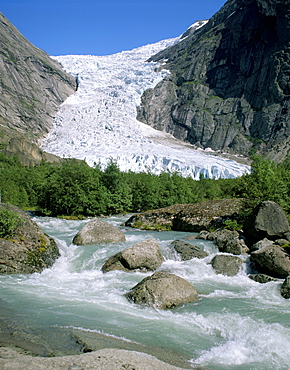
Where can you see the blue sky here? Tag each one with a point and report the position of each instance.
(101, 27)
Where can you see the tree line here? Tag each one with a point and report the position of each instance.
(72, 188)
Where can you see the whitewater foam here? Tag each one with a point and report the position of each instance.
(98, 122)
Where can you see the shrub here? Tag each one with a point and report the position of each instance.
(9, 221)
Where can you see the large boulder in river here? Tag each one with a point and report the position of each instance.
(143, 256)
(268, 220)
(228, 241)
(97, 231)
(189, 217)
(163, 290)
(28, 249)
(272, 260)
(188, 251)
(226, 264)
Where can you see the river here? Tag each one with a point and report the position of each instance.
(236, 324)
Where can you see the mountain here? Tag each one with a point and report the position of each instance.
(228, 87)
(98, 123)
(32, 87)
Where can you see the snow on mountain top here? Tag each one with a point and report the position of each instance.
(98, 122)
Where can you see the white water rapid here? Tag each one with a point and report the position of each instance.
(236, 324)
(99, 122)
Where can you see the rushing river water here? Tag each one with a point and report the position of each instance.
(236, 324)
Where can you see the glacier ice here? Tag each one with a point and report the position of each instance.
(98, 122)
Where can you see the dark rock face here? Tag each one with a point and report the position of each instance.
(226, 264)
(285, 288)
(229, 83)
(163, 291)
(188, 251)
(268, 220)
(98, 231)
(189, 217)
(143, 256)
(29, 250)
(32, 87)
(262, 278)
(272, 260)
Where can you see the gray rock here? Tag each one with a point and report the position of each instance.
(143, 256)
(285, 288)
(228, 241)
(272, 260)
(188, 251)
(268, 220)
(97, 231)
(29, 250)
(226, 264)
(262, 278)
(261, 244)
(163, 291)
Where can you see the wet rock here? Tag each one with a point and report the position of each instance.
(272, 260)
(188, 251)
(268, 220)
(143, 256)
(262, 278)
(226, 264)
(29, 249)
(285, 288)
(98, 231)
(228, 241)
(163, 291)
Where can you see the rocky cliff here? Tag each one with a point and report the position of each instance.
(32, 87)
(229, 83)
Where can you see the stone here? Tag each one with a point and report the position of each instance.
(226, 264)
(285, 288)
(262, 278)
(268, 220)
(228, 241)
(143, 256)
(97, 231)
(272, 260)
(261, 244)
(188, 251)
(163, 290)
(29, 250)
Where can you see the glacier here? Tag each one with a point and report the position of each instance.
(98, 122)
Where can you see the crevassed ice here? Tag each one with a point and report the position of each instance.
(98, 122)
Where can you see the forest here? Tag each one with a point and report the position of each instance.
(72, 188)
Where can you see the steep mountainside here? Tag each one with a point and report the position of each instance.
(229, 84)
(32, 87)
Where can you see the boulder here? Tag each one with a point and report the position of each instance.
(262, 278)
(29, 249)
(188, 217)
(228, 241)
(97, 231)
(272, 260)
(188, 251)
(143, 256)
(226, 264)
(261, 244)
(163, 290)
(285, 288)
(268, 220)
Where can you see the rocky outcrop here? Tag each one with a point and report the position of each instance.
(272, 260)
(187, 251)
(229, 82)
(143, 256)
(285, 288)
(163, 291)
(261, 278)
(226, 264)
(228, 241)
(98, 231)
(189, 217)
(32, 87)
(268, 220)
(28, 250)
